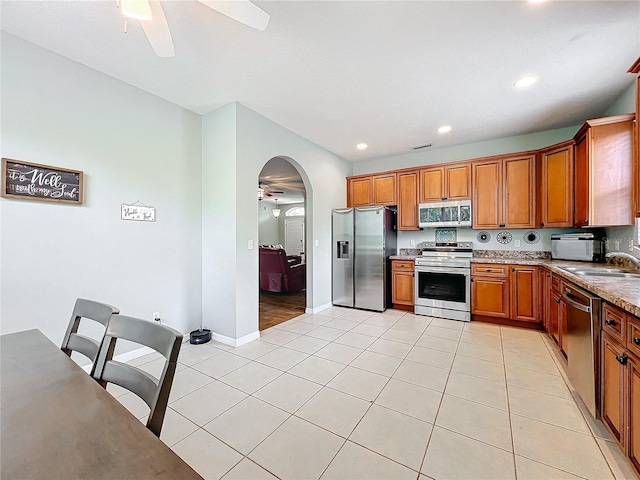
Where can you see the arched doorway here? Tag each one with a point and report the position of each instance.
(282, 269)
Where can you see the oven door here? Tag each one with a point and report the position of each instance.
(442, 287)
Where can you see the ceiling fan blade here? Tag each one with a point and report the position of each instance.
(241, 10)
(157, 31)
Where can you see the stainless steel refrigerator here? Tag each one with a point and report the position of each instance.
(363, 239)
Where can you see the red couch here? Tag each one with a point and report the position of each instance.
(278, 274)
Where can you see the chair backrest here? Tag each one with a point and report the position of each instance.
(73, 341)
(154, 391)
(273, 260)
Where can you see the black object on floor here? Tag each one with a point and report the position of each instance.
(200, 336)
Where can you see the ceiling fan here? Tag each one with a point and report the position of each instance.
(156, 28)
(263, 192)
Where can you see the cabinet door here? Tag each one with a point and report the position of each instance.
(633, 366)
(581, 217)
(408, 201)
(519, 192)
(545, 283)
(557, 187)
(402, 288)
(384, 189)
(432, 185)
(457, 182)
(487, 194)
(490, 296)
(359, 192)
(555, 313)
(524, 293)
(613, 378)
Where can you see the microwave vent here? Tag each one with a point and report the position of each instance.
(420, 147)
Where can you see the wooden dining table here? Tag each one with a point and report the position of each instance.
(57, 422)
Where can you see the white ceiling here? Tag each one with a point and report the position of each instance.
(387, 73)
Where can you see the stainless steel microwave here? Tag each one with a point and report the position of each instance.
(445, 214)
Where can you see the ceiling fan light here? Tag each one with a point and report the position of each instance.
(138, 9)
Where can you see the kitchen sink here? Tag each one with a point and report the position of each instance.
(602, 272)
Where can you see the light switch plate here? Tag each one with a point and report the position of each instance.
(317, 243)
(412, 242)
(516, 243)
(250, 244)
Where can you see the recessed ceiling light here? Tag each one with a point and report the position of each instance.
(362, 146)
(525, 81)
(537, 1)
(444, 129)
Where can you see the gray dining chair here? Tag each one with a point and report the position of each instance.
(154, 391)
(75, 342)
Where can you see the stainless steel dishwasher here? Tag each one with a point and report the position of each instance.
(583, 337)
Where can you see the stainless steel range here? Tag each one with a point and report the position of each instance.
(443, 280)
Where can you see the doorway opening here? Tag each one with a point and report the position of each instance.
(282, 241)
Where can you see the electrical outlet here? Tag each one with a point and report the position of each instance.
(516, 243)
(616, 245)
(317, 243)
(631, 244)
(156, 317)
(250, 245)
(412, 242)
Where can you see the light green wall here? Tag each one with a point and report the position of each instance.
(625, 103)
(499, 146)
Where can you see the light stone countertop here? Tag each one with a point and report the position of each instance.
(623, 292)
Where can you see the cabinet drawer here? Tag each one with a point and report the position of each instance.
(402, 265)
(633, 335)
(556, 283)
(489, 270)
(613, 322)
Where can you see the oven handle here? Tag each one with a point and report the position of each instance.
(452, 270)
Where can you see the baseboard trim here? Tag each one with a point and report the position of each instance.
(235, 342)
(318, 309)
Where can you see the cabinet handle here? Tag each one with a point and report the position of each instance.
(636, 340)
(611, 323)
(445, 198)
(558, 301)
(501, 225)
(586, 220)
(542, 224)
(548, 275)
(622, 358)
(488, 270)
(513, 269)
(472, 279)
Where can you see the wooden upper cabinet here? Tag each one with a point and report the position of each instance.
(372, 190)
(457, 182)
(524, 293)
(384, 189)
(431, 184)
(519, 192)
(359, 191)
(504, 193)
(556, 186)
(408, 200)
(445, 182)
(604, 189)
(487, 194)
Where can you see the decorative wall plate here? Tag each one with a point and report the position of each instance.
(484, 237)
(531, 237)
(504, 237)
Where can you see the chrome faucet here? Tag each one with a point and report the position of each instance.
(633, 259)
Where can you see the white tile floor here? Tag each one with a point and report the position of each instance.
(349, 394)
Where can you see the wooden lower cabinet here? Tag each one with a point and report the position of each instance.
(505, 291)
(524, 293)
(402, 282)
(490, 296)
(634, 412)
(612, 377)
(620, 386)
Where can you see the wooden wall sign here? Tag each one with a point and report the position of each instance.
(32, 181)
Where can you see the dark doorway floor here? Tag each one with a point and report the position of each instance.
(276, 308)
